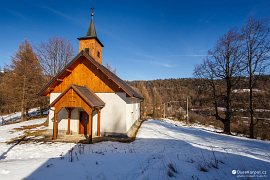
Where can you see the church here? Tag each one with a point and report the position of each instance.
(87, 98)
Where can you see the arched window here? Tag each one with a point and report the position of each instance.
(98, 54)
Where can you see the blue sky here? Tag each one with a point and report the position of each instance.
(143, 39)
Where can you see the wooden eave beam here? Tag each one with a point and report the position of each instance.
(68, 70)
(49, 90)
(60, 80)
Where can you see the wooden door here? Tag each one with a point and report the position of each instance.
(84, 123)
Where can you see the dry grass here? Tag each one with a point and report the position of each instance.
(28, 131)
(29, 127)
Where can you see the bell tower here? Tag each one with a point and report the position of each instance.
(90, 43)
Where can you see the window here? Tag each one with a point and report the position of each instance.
(98, 54)
(86, 50)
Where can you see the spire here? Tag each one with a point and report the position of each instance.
(90, 43)
(92, 30)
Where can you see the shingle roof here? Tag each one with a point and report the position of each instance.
(91, 30)
(122, 84)
(86, 94)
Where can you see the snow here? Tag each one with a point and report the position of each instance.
(17, 115)
(161, 149)
(245, 90)
(10, 117)
(7, 132)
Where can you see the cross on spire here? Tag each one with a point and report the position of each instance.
(92, 30)
(92, 12)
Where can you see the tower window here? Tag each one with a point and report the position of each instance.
(86, 50)
(98, 54)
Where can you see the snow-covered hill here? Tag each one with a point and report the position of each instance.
(162, 150)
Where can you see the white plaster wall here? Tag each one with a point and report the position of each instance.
(53, 96)
(94, 123)
(62, 118)
(132, 112)
(113, 114)
(74, 120)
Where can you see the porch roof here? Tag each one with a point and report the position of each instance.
(86, 94)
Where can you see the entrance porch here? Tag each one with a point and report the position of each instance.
(86, 103)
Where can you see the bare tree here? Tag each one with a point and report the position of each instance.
(54, 55)
(156, 101)
(144, 92)
(111, 68)
(223, 64)
(256, 38)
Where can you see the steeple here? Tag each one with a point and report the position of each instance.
(92, 30)
(90, 43)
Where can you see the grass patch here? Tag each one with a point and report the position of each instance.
(29, 127)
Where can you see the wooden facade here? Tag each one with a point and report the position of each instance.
(86, 74)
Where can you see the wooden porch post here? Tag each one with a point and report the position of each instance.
(69, 116)
(55, 125)
(90, 126)
(98, 123)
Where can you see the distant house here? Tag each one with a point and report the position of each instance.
(87, 98)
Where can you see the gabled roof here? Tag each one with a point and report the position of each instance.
(115, 79)
(86, 94)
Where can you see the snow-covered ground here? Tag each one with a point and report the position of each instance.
(162, 150)
(8, 132)
(14, 117)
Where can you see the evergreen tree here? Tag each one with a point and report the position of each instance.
(27, 78)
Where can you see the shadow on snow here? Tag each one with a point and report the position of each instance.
(150, 158)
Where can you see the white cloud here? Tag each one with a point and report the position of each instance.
(61, 14)
(16, 14)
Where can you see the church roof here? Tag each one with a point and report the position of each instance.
(65, 72)
(91, 30)
(86, 94)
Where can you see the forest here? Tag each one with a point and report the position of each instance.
(170, 95)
